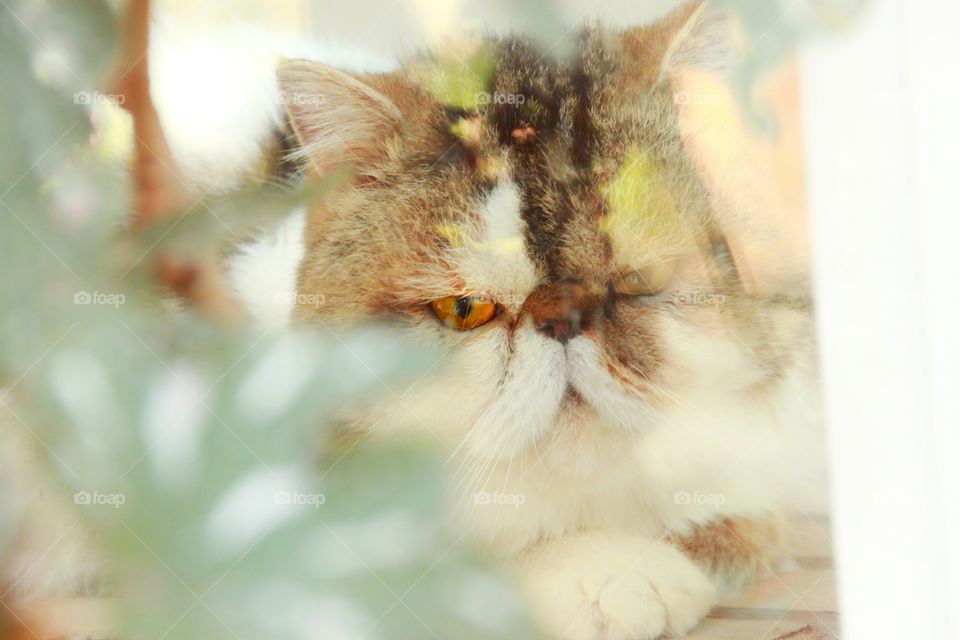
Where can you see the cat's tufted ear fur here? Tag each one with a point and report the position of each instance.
(696, 35)
(337, 118)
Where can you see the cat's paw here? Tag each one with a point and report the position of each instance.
(594, 586)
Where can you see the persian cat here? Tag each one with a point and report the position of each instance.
(627, 417)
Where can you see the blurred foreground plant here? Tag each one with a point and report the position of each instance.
(199, 454)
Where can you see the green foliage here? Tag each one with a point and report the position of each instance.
(203, 456)
(462, 83)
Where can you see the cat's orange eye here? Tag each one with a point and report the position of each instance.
(464, 312)
(647, 281)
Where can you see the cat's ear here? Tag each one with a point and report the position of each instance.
(337, 118)
(696, 36)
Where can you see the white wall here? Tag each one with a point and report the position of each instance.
(880, 107)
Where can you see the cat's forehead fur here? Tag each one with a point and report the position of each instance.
(519, 189)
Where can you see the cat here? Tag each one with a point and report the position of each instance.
(627, 418)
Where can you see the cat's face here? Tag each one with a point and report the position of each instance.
(538, 216)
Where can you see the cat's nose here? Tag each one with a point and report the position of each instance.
(561, 310)
(561, 329)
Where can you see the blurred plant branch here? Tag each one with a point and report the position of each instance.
(159, 190)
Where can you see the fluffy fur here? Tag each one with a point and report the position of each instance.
(639, 465)
(263, 272)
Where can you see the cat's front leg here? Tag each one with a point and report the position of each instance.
(595, 585)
